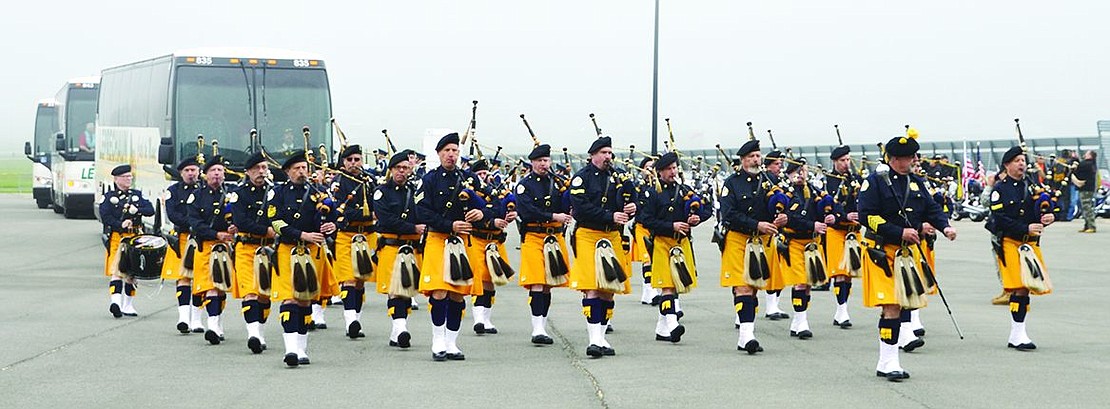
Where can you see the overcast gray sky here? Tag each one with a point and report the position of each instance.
(953, 69)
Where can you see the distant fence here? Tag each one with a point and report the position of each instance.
(15, 173)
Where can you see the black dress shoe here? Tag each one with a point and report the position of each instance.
(211, 337)
(114, 309)
(404, 339)
(255, 345)
(751, 347)
(439, 356)
(608, 328)
(542, 340)
(479, 328)
(893, 376)
(130, 314)
(303, 360)
(291, 360)
(777, 316)
(843, 325)
(491, 330)
(607, 351)
(676, 333)
(912, 345)
(920, 332)
(804, 334)
(456, 356)
(311, 326)
(198, 330)
(594, 351)
(321, 326)
(823, 287)
(680, 314)
(355, 330)
(183, 327)
(1028, 346)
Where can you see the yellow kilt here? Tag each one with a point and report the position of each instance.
(638, 251)
(329, 286)
(795, 272)
(171, 267)
(1011, 272)
(834, 252)
(733, 271)
(281, 281)
(113, 247)
(431, 268)
(383, 271)
(202, 268)
(343, 269)
(878, 289)
(661, 276)
(244, 271)
(476, 252)
(532, 259)
(583, 274)
(930, 256)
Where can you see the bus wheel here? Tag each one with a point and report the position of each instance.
(42, 202)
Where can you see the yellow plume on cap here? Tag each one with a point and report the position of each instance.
(911, 132)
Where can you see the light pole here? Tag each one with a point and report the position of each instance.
(655, 88)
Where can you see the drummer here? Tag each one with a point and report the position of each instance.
(121, 212)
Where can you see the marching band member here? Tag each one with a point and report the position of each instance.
(640, 250)
(669, 215)
(353, 266)
(843, 259)
(894, 204)
(544, 211)
(748, 257)
(1018, 218)
(486, 234)
(121, 213)
(773, 289)
(214, 234)
(447, 204)
(398, 247)
(297, 279)
(803, 267)
(248, 215)
(188, 305)
(602, 201)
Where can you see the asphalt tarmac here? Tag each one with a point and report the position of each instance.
(60, 346)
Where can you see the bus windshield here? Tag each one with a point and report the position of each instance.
(222, 103)
(45, 119)
(289, 100)
(214, 102)
(81, 118)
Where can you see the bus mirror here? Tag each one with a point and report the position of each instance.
(165, 151)
(27, 148)
(60, 142)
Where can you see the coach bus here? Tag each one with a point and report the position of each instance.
(152, 111)
(71, 164)
(39, 148)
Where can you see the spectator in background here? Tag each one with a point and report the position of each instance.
(86, 142)
(1085, 179)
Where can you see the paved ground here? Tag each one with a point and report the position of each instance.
(60, 345)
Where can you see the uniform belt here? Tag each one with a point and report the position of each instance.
(541, 229)
(600, 226)
(250, 239)
(798, 235)
(361, 227)
(743, 230)
(498, 236)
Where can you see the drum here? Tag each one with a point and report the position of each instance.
(144, 255)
